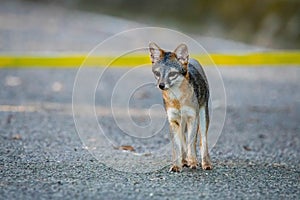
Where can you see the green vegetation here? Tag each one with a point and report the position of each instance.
(269, 23)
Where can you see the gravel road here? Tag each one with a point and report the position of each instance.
(256, 156)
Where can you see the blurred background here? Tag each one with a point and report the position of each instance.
(266, 23)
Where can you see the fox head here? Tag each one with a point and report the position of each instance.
(169, 68)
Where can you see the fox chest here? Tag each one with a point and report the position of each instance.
(180, 104)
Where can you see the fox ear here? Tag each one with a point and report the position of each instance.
(156, 52)
(182, 54)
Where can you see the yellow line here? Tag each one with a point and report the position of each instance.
(263, 58)
(133, 60)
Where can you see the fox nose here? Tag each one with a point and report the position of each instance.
(161, 86)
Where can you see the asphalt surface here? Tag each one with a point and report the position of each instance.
(44, 156)
(256, 156)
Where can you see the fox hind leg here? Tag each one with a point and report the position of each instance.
(204, 124)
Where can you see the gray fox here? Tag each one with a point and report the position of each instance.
(185, 94)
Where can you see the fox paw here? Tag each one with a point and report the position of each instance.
(192, 164)
(175, 168)
(206, 165)
(185, 163)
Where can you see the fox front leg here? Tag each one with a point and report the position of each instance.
(177, 147)
(192, 128)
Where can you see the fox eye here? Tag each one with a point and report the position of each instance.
(156, 73)
(173, 75)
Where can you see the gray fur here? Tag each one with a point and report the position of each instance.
(199, 81)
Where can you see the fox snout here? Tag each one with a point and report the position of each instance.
(161, 86)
